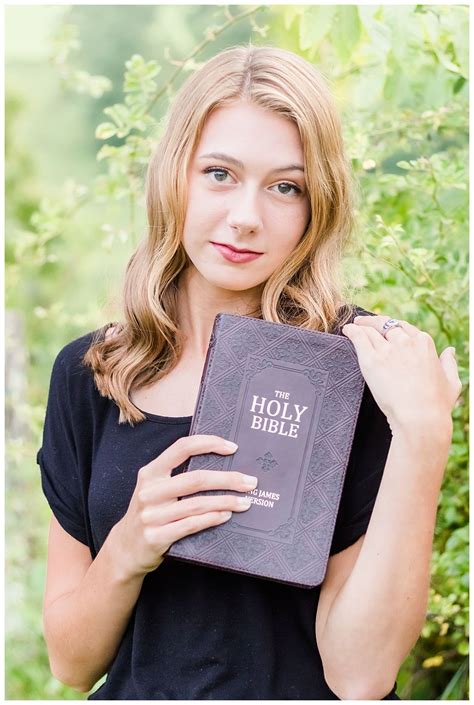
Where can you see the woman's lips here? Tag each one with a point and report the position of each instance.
(236, 257)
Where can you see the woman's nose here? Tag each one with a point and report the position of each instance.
(244, 213)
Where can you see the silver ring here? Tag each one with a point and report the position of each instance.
(391, 323)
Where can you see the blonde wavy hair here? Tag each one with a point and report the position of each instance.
(305, 291)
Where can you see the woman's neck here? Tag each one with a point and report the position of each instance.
(199, 302)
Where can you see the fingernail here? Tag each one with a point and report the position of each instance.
(226, 515)
(250, 480)
(230, 445)
(244, 502)
(453, 351)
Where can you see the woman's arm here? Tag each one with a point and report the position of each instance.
(87, 606)
(375, 618)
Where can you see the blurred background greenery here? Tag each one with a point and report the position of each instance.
(75, 210)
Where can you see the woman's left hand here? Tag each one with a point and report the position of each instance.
(414, 387)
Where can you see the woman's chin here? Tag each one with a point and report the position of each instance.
(232, 284)
(231, 280)
(228, 278)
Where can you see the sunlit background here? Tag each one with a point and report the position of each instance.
(75, 212)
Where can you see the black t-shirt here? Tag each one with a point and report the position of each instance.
(196, 633)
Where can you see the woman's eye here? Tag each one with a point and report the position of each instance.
(287, 188)
(220, 176)
(218, 173)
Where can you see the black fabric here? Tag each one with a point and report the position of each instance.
(195, 632)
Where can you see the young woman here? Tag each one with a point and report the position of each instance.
(251, 159)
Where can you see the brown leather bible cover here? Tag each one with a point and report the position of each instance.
(290, 398)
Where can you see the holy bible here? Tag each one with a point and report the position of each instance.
(290, 399)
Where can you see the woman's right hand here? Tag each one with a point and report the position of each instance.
(155, 518)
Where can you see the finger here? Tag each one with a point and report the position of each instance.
(112, 330)
(450, 369)
(180, 450)
(377, 322)
(166, 535)
(365, 339)
(204, 480)
(409, 328)
(159, 516)
(379, 341)
(165, 489)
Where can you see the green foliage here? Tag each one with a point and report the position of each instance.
(20, 195)
(28, 674)
(399, 74)
(66, 40)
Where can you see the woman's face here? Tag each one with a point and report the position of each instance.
(246, 188)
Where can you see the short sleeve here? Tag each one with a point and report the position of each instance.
(365, 468)
(58, 456)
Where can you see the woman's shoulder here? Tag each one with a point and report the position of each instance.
(69, 367)
(69, 359)
(72, 353)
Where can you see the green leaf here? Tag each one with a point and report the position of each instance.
(289, 14)
(459, 84)
(447, 63)
(378, 31)
(105, 152)
(119, 114)
(347, 31)
(151, 69)
(454, 689)
(452, 517)
(105, 130)
(396, 87)
(135, 62)
(139, 75)
(315, 24)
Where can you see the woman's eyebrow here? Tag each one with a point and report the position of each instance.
(236, 162)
